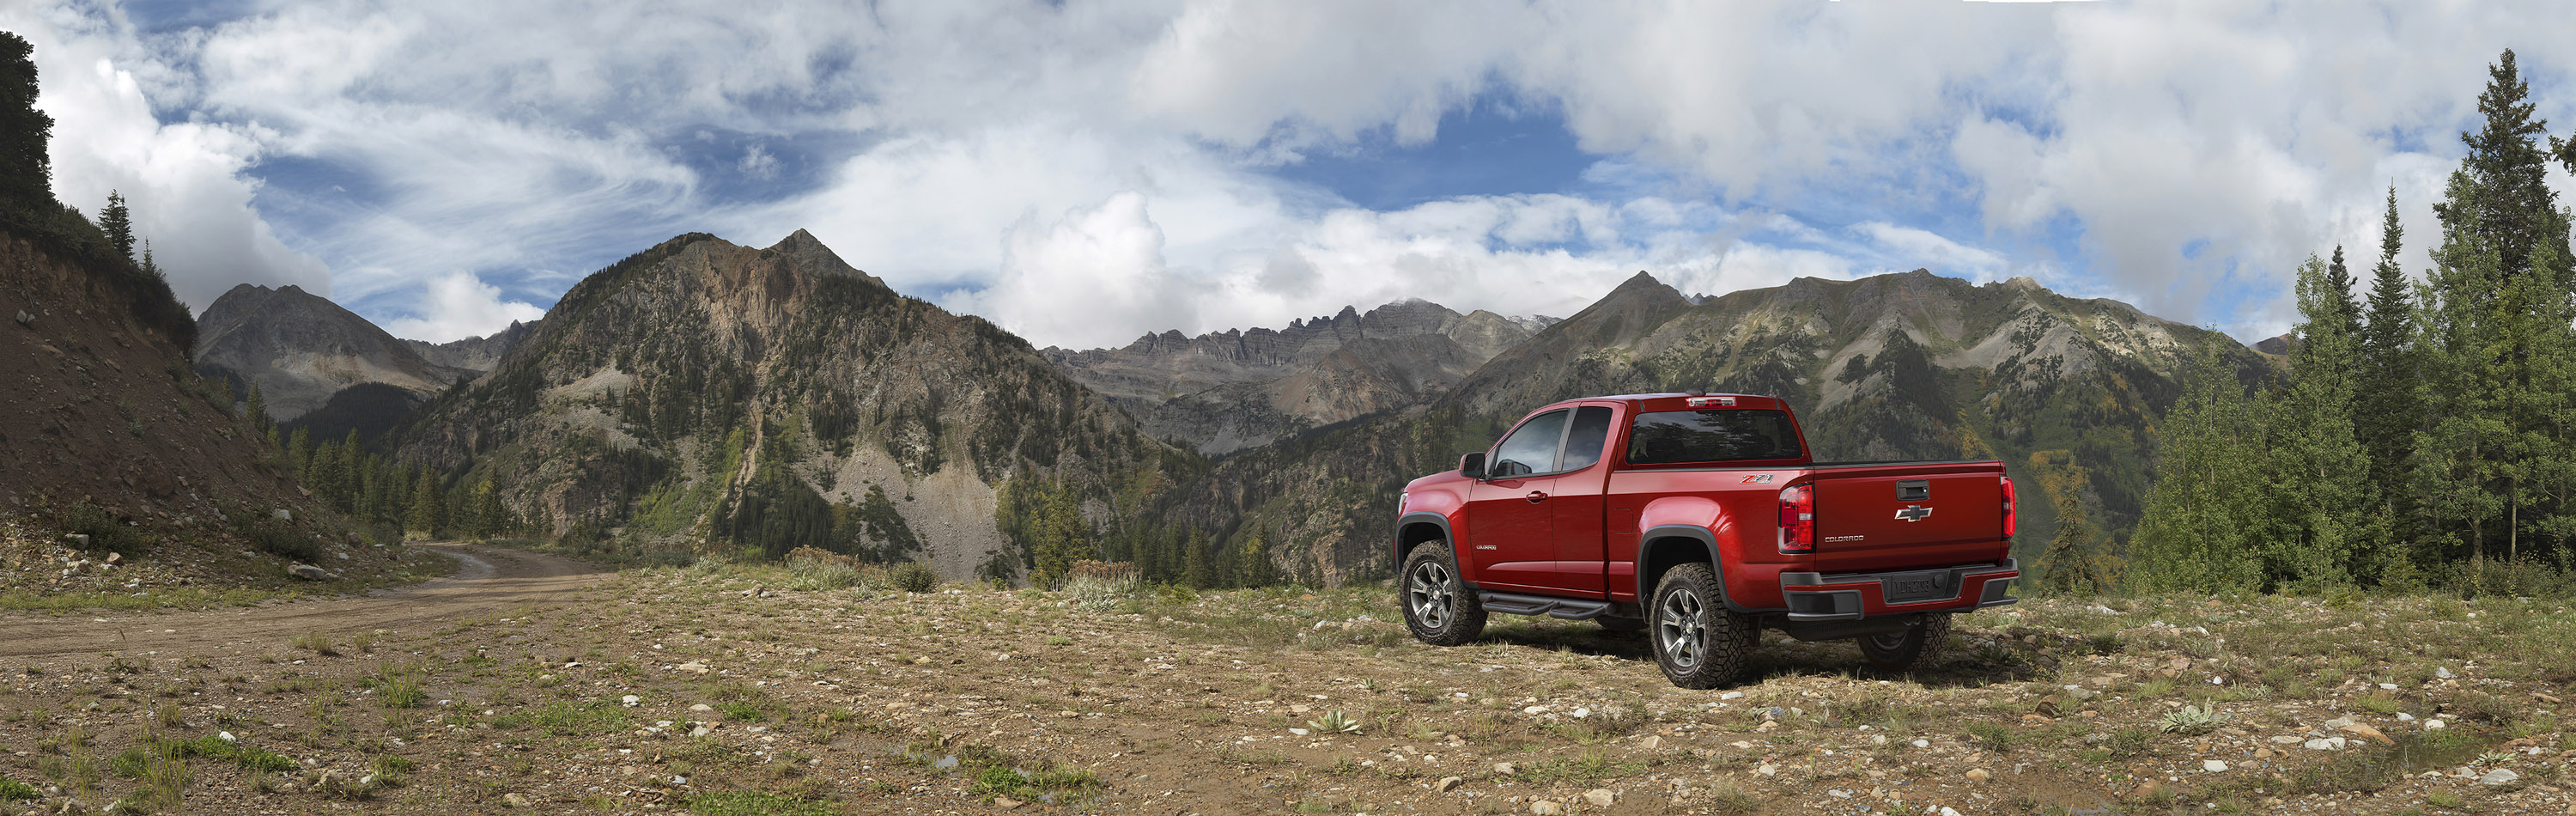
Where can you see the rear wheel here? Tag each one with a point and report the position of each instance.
(1437, 604)
(1698, 642)
(1917, 645)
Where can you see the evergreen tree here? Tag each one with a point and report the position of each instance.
(2455, 459)
(150, 268)
(2322, 501)
(1197, 570)
(257, 410)
(118, 225)
(490, 517)
(2507, 166)
(2386, 413)
(26, 171)
(2199, 529)
(428, 515)
(299, 453)
(2539, 379)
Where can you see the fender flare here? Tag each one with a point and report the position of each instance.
(1708, 554)
(1399, 546)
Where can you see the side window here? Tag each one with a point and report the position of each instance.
(1583, 443)
(1530, 449)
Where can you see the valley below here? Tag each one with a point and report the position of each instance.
(531, 683)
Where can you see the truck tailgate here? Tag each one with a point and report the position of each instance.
(1893, 518)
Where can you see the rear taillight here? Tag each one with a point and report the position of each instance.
(1797, 519)
(2008, 507)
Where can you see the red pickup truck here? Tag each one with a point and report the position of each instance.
(1701, 518)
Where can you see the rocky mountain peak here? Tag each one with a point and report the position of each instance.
(301, 348)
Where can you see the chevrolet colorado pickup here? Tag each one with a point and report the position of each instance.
(1701, 519)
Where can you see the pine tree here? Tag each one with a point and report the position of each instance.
(118, 225)
(150, 268)
(2322, 502)
(2455, 460)
(257, 410)
(299, 453)
(2387, 412)
(2510, 171)
(428, 515)
(1197, 569)
(26, 170)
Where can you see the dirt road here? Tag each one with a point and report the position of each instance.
(488, 579)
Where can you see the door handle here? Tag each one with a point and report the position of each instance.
(1537, 496)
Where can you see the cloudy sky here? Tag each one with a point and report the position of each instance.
(1084, 172)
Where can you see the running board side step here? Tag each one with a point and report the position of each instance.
(1558, 608)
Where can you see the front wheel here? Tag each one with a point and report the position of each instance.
(1698, 642)
(1898, 651)
(1437, 604)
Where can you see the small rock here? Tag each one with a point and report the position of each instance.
(631, 700)
(699, 731)
(1503, 768)
(516, 800)
(1300, 732)
(119, 558)
(1449, 783)
(691, 666)
(2369, 732)
(1535, 710)
(77, 540)
(1600, 797)
(24, 318)
(2499, 777)
(307, 572)
(1007, 803)
(1978, 775)
(2405, 717)
(2147, 789)
(2338, 722)
(701, 708)
(2213, 766)
(1922, 743)
(1544, 807)
(282, 514)
(2434, 725)
(1732, 695)
(1651, 743)
(2443, 672)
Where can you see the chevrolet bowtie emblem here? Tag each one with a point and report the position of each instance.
(1914, 512)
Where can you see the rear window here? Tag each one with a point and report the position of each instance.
(1680, 437)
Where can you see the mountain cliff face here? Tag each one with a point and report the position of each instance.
(703, 393)
(1903, 366)
(301, 349)
(1225, 392)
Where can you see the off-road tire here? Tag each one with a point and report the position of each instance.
(1624, 626)
(1918, 645)
(1438, 606)
(1698, 642)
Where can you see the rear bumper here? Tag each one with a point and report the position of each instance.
(1815, 597)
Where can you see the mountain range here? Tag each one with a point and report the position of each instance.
(1223, 392)
(703, 391)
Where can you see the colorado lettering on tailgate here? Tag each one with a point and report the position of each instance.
(1697, 521)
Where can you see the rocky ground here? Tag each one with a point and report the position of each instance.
(735, 690)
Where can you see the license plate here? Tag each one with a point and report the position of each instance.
(1914, 586)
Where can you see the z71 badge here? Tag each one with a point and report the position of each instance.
(1761, 479)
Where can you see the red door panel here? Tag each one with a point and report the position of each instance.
(1511, 537)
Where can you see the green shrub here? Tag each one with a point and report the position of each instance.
(11, 789)
(106, 532)
(913, 576)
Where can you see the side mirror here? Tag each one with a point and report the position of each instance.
(1472, 465)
